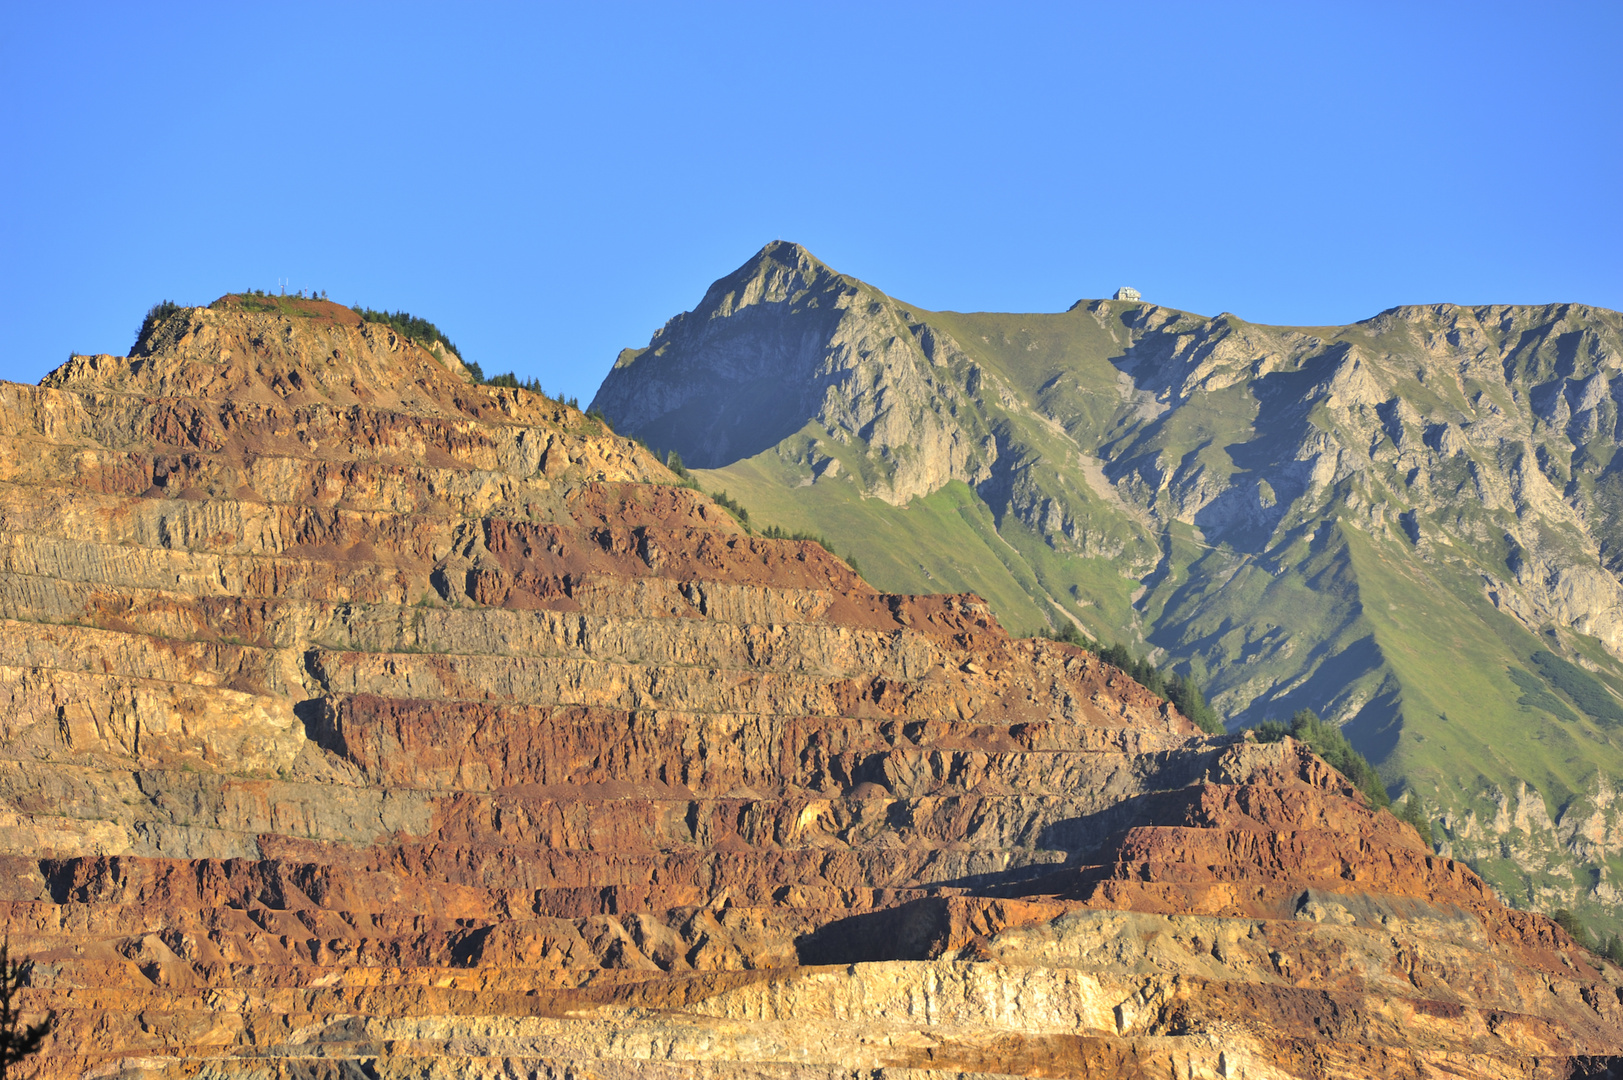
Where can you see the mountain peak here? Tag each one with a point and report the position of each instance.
(733, 353)
(790, 255)
(778, 271)
(787, 251)
(276, 349)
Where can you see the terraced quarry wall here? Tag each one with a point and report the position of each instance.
(365, 722)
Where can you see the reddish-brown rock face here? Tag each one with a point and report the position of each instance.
(364, 722)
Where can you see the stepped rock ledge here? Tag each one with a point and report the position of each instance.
(365, 722)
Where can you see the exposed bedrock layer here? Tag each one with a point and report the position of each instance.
(365, 722)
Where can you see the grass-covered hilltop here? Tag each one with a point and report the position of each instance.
(1410, 525)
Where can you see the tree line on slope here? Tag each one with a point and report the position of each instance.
(513, 382)
(673, 462)
(156, 314)
(1181, 690)
(1305, 726)
(426, 333)
(409, 326)
(1611, 948)
(1584, 689)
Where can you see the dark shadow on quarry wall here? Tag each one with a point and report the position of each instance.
(1082, 841)
(334, 1068)
(919, 929)
(916, 930)
(320, 722)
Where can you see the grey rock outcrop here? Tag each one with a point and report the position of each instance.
(785, 341)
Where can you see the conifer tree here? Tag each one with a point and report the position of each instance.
(17, 1041)
(1414, 812)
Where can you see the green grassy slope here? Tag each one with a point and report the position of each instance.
(944, 543)
(1436, 682)
(1380, 522)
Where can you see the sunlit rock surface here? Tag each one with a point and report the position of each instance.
(366, 722)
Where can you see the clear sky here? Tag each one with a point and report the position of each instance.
(550, 183)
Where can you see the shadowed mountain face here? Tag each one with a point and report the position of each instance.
(744, 347)
(782, 341)
(362, 721)
(1411, 525)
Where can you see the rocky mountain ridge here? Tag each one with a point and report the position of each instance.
(366, 721)
(1409, 525)
(851, 362)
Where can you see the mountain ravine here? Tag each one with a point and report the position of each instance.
(1410, 524)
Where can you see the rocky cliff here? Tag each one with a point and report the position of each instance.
(1410, 525)
(784, 340)
(366, 722)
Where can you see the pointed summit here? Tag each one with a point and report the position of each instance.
(780, 270)
(739, 372)
(788, 253)
(787, 353)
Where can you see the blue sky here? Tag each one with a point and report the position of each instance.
(550, 183)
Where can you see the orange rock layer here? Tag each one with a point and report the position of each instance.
(366, 722)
